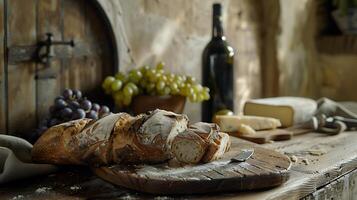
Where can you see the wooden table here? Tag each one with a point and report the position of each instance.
(326, 168)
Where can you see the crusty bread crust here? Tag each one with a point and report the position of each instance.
(93, 144)
(148, 138)
(50, 147)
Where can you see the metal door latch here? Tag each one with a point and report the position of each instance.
(42, 52)
(45, 54)
(46, 51)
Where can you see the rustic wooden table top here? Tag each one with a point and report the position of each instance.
(320, 160)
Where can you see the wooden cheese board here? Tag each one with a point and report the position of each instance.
(266, 136)
(264, 169)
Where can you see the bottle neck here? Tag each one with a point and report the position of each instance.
(217, 29)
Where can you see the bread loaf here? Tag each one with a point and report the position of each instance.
(125, 139)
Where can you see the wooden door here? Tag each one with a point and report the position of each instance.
(28, 87)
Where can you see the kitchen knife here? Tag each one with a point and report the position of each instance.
(244, 155)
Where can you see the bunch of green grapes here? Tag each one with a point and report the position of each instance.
(152, 81)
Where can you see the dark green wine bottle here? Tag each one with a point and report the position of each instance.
(217, 70)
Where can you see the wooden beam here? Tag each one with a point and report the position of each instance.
(2, 70)
(270, 13)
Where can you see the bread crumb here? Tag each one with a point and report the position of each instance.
(128, 197)
(20, 196)
(316, 152)
(42, 189)
(293, 158)
(305, 161)
(162, 198)
(75, 187)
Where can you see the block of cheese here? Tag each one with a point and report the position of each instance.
(232, 123)
(289, 110)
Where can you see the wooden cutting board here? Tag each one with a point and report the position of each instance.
(265, 169)
(266, 136)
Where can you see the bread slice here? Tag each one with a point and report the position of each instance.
(189, 147)
(218, 142)
(216, 150)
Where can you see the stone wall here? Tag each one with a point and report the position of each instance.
(148, 31)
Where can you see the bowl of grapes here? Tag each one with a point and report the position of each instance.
(146, 88)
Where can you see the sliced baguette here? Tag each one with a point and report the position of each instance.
(218, 142)
(217, 149)
(188, 147)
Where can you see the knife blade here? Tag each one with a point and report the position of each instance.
(244, 155)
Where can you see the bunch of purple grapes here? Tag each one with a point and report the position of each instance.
(71, 106)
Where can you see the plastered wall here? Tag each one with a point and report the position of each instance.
(304, 71)
(176, 32)
(148, 31)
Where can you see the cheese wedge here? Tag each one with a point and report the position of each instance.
(246, 130)
(289, 110)
(233, 123)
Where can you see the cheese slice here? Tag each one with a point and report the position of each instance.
(233, 123)
(289, 110)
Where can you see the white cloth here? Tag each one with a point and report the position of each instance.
(15, 160)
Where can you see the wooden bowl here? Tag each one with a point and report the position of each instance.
(144, 103)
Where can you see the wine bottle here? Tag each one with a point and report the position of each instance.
(217, 69)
